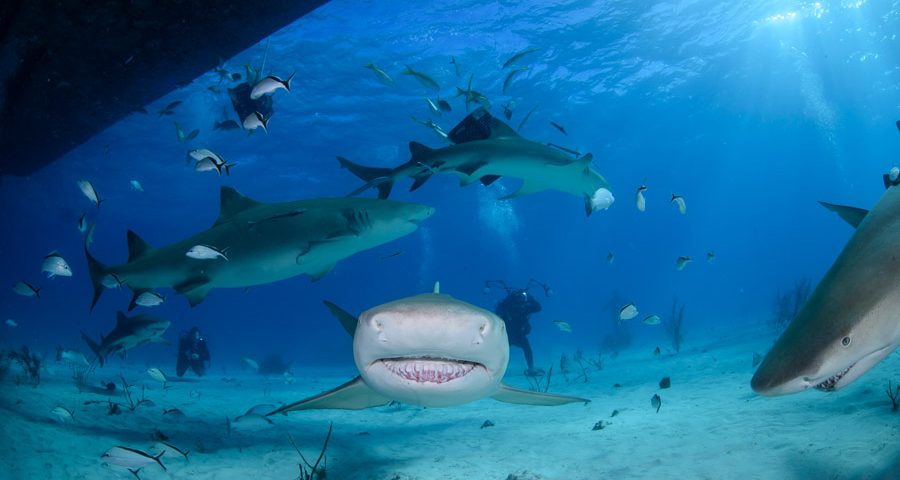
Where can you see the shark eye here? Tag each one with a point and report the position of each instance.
(846, 341)
(482, 328)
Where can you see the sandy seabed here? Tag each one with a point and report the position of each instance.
(710, 426)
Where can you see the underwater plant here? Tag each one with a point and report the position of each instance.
(673, 325)
(314, 471)
(894, 395)
(133, 404)
(787, 304)
(31, 366)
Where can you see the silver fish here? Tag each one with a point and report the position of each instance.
(130, 458)
(679, 202)
(136, 185)
(157, 375)
(90, 192)
(628, 312)
(12, 323)
(62, 414)
(639, 198)
(250, 362)
(149, 299)
(682, 262)
(518, 56)
(269, 85)
(54, 265)
(249, 422)
(710, 256)
(510, 76)
(381, 75)
(26, 289)
(166, 447)
(111, 280)
(205, 252)
(425, 80)
(256, 120)
(563, 326)
(72, 357)
(652, 320)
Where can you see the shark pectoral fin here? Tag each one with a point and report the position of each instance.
(526, 188)
(509, 394)
(470, 168)
(348, 321)
(852, 215)
(489, 179)
(195, 289)
(420, 180)
(137, 247)
(318, 274)
(353, 395)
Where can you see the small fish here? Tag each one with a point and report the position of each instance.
(525, 120)
(681, 263)
(157, 375)
(710, 256)
(149, 299)
(205, 252)
(12, 323)
(381, 75)
(652, 320)
(508, 109)
(136, 185)
(82, 222)
(201, 153)
(88, 190)
(657, 352)
(54, 265)
(170, 108)
(394, 254)
(226, 125)
(249, 422)
(456, 68)
(166, 447)
(111, 280)
(62, 414)
(174, 413)
(473, 96)
(256, 120)
(510, 76)
(210, 164)
(250, 362)
(639, 198)
(433, 106)
(610, 258)
(444, 106)
(563, 326)
(130, 458)
(898, 125)
(628, 312)
(26, 289)
(73, 357)
(513, 59)
(270, 85)
(656, 402)
(559, 127)
(261, 409)
(424, 79)
(679, 201)
(433, 126)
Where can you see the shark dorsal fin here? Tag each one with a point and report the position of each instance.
(121, 318)
(501, 130)
(231, 203)
(852, 215)
(417, 150)
(347, 320)
(136, 246)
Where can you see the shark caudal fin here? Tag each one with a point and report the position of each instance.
(94, 347)
(378, 177)
(96, 269)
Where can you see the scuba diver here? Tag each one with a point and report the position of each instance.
(515, 309)
(193, 353)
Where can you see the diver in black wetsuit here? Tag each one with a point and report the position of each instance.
(515, 310)
(193, 353)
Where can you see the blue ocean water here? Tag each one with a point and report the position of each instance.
(752, 111)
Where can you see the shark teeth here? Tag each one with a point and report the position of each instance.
(828, 384)
(421, 370)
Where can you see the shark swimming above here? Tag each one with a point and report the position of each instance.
(429, 350)
(852, 319)
(493, 151)
(265, 242)
(129, 333)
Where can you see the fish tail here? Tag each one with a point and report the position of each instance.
(287, 83)
(379, 177)
(228, 168)
(96, 269)
(409, 70)
(94, 347)
(157, 458)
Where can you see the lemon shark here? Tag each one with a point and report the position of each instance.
(129, 332)
(265, 242)
(430, 350)
(852, 319)
(503, 153)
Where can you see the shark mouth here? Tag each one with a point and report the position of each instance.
(830, 382)
(429, 370)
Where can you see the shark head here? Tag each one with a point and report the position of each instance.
(431, 350)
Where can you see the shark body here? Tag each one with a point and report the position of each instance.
(430, 350)
(265, 242)
(129, 333)
(502, 154)
(852, 319)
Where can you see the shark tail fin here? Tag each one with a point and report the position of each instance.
(379, 177)
(96, 269)
(94, 347)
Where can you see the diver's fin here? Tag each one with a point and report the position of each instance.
(136, 246)
(348, 321)
(489, 179)
(528, 397)
(353, 395)
(417, 151)
(231, 202)
(379, 177)
(852, 215)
